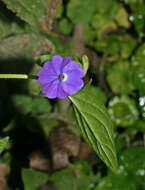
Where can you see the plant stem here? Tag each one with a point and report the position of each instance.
(17, 76)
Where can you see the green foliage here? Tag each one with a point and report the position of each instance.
(138, 16)
(69, 179)
(123, 78)
(32, 179)
(77, 9)
(138, 68)
(47, 124)
(123, 110)
(40, 106)
(142, 105)
(95, 125)
(65, 26)
(3, 144)
(120, 44)
(31, 12)
(8, 28)
(114, 44)
(85, 64)
(122, 17)
(98, 93)
(102, 5)
(59, 11)
(130, 174)
(26, 104)
(23, 46)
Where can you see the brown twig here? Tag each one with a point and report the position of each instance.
(79, 40)
(49, 19)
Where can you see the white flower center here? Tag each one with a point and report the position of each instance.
(63, 77)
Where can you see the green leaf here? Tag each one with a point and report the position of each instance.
(138, 69)
(40, 106)
(90, 35)
(85, 63)
(122, 74)
(24, 46)
(138, 16)
(117, 183)
(102, 23)
(98, 93)
(26, 104)
(8, 27)
(47, 125)
(127, 46)
(65, 26)
(122, 17)
(139, 79)
(34, 87)
(3, 144)
(23, 103)
(30, 11)
(103, 5)
(70, 181)
(139, 57)
(123, 111)
(59, 12)
(42, 59)
(95, 125)
(77, 9)
(32, 179)
(130, 174)
(117, 44)
(138, 126)
(142, 105)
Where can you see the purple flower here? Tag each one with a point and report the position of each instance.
(60, 77)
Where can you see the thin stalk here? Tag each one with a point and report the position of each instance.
(17, 76)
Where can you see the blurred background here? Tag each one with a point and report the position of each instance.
(45, 150)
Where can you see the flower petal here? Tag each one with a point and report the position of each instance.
(57, 61)
(48, 66)
(66, 61)
(46, 77)
(72, 87)
(51, 89)
(61, 93)
(73, 66)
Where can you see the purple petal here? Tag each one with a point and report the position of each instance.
(61, 93)
(57, 63)
(73, 66)
(48, 66)
(50, 89)
(46, 77)
(72, 86)
(66, 61)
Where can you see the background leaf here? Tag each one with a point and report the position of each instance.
(77, 9)
(24, 46)
(122, 74)
(32, 179)
(3, 143)
(26, 104)
(123, 111)
(30, 11)
(128, 176)
(70, 181)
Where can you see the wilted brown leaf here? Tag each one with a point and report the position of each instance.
(3, 174)
(63, 145)
(38, 161)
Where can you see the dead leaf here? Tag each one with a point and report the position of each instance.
(38, 161)
(63, 145)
